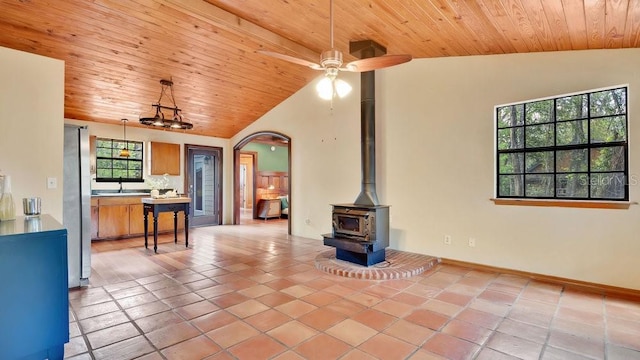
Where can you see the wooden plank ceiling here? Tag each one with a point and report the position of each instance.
(116, 51)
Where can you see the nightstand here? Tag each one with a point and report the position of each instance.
(269, 208)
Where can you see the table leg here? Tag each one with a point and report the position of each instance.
(186, 229)
(146, 226)
(175, 227)
(155, 233)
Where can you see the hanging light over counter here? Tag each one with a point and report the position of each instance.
(173, 121)
(125, 149)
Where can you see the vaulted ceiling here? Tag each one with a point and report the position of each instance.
(117, 51)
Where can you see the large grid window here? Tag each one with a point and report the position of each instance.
(110, 167)
(568, 147)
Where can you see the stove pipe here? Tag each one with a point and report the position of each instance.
(367, 49)
(368, 195)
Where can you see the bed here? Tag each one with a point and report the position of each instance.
(284, 206)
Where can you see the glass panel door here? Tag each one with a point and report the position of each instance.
(203, 185)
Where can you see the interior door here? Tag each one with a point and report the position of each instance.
(203, 184)
(243, 186)
(246, 179)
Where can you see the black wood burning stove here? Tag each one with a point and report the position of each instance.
(361, 230)
(360, 233)
(358, 223)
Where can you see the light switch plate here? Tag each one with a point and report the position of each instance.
(52, 183)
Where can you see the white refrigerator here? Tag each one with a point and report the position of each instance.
(76, 215)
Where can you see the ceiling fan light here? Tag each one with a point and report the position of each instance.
(325, 88)
(342, 88)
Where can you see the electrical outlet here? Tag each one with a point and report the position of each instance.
(472, 242)
(447, 239)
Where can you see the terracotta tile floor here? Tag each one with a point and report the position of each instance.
(252, 292)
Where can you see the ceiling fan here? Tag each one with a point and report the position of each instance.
(331, 64)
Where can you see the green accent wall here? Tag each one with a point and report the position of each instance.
(268, 160)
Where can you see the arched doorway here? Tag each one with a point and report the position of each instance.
(238, 197)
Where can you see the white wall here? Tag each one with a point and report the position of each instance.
(147, 135)
(435, 162)
(325, 153)
(31, 127)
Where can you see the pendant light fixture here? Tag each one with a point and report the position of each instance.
(173, 121)
(125, 150)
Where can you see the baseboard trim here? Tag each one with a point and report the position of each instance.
(606, 290)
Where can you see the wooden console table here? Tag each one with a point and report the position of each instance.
(156, 206)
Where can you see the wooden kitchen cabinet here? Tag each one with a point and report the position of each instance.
(94, 218)
(122, 216)
(136, 223)
(165, 221)
(165, 158)
(113, 221)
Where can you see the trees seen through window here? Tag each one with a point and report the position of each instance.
(568, 147)
(110, 167)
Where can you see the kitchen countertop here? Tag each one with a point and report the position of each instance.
(31, 224)
(171, 200)
(108, 194)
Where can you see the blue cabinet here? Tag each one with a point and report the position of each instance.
(34, 294)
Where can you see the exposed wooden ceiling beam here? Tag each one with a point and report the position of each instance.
(221, 18)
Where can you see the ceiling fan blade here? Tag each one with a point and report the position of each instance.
(292, 59)
(375, 63)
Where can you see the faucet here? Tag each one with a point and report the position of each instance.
(120, 182)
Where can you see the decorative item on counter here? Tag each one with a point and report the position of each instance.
(155, 194)
(156, 184)
(7, 206)
(160, 187)
(31, 206)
